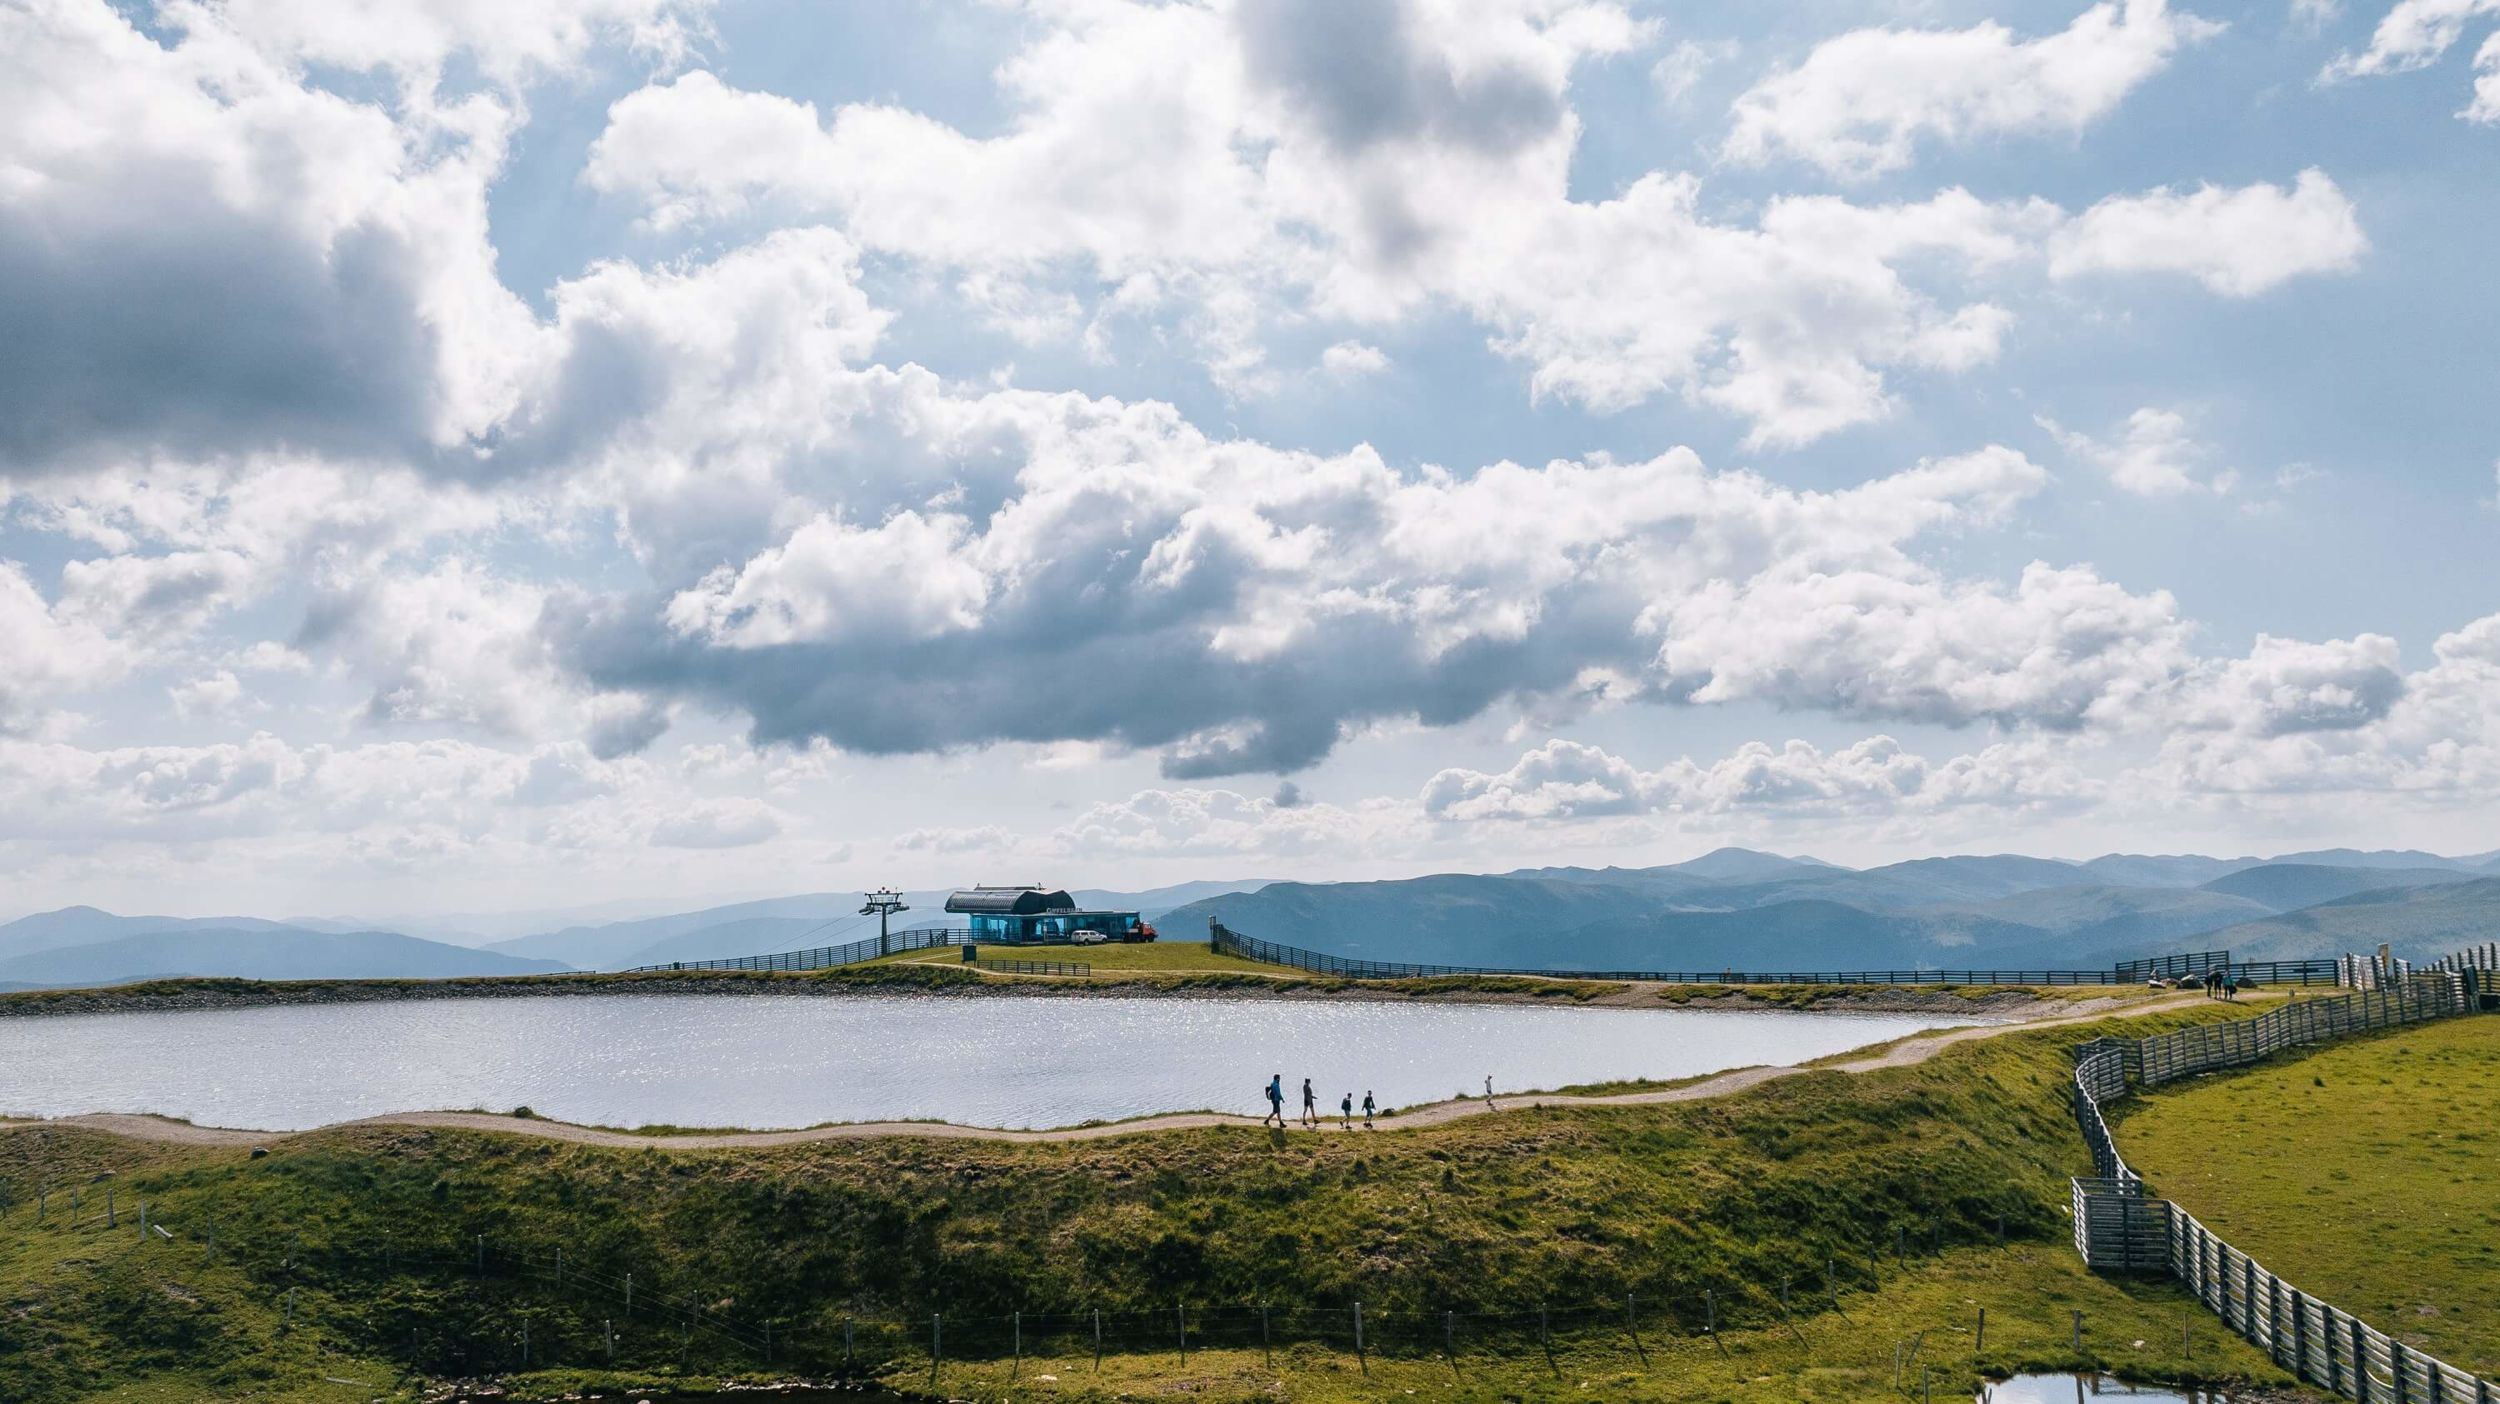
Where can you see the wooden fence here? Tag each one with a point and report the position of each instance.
(2120, 1226)
(2187, 1052)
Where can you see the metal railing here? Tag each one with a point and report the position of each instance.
(1227, 941)
(1031, 967)
(825, 957)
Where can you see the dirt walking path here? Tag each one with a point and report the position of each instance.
(1916, 1049)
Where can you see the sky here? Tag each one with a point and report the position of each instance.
(461, 455)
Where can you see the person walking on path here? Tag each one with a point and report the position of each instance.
(1488, 1092)
(1310, 1105)
(1275, 1101)
(1347, 1107)
(1367, 1111)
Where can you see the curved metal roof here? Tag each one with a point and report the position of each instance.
(1009, 901)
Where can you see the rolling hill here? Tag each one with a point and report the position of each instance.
(2421, 923)
(2284, 887)
(258, 953)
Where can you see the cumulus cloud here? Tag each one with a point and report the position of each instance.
(1351, 360)
(211, 695)
(2153, 454)
(1095, 571)
(2236, 242)
(48, 654)
(1566, 780)
(2337, 718)
(1258, 167)
(2415, 34)
(200, 253)
(2286, 686)
(1860, 104)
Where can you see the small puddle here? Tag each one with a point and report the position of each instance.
(2069, 1389)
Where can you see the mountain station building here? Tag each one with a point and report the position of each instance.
(1034, 915)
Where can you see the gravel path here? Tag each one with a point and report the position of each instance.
(1904, 1053)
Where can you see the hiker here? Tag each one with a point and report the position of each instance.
(1275, 1101)
(1310, 1105)
(1488, 1092)
(1347, 1107)
(1367, 1110)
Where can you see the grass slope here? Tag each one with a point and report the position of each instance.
(2367, 1173)
(1497, 1213)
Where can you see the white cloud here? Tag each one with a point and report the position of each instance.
(1861, 103)
(509, 42)
(1565, 780)
(1352, 360)
(314, 273)
(2238, 243)
(2335, 719)
(1678, 71)
(1233, 176)
(2153, 454)
(2287, 686)
(49, 654)
(2415, 34)
(214, 694)
(2486, 104)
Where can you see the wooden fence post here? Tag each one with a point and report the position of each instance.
(1360, 1356)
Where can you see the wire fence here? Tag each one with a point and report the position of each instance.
(2119, 1225)
(1227, 941)
(918, 938)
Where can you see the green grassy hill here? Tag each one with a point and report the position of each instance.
(2367, 1173)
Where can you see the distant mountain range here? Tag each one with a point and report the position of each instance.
(1738, 909)
(1732, 908)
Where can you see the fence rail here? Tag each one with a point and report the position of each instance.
(1227, 941)
(825, 957)
(1032, 967)
(2120, 1225)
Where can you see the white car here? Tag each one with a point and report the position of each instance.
(1088, 938)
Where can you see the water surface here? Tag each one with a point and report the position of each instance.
(766, 1061)
(2080, 1389)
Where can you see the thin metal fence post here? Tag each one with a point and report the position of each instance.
(937, 1346)
(1979, 1342)
(1361, 1356)
(1180, 1327)
(1098, 1340)
(1018, 1367)
(1545, 1339)
(1631, 1327)
(1449, 1339)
